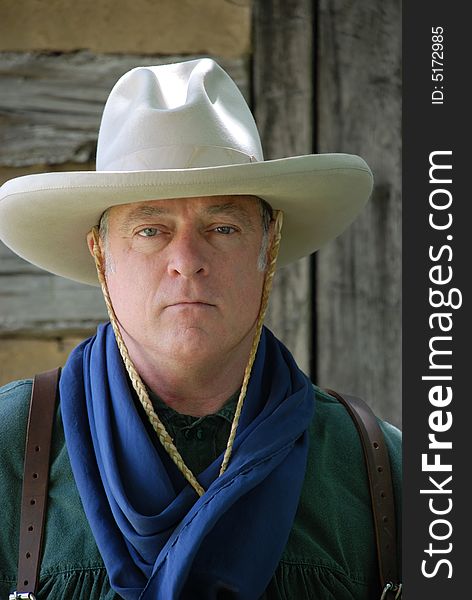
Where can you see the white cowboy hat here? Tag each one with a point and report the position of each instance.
(176, 131)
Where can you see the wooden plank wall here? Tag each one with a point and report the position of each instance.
(51, 107)
(58, 62)
(283, 105)
(52, 104)
(358, 282)
(318, 84)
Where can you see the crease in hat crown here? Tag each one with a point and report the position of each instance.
(176, 116)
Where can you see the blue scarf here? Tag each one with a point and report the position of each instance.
(158, 540)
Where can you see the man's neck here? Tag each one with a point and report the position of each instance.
(196, 389)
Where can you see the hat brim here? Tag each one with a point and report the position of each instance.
(45, 218)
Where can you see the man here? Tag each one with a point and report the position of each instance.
(191, 457)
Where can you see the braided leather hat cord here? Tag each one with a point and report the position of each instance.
(138, 384)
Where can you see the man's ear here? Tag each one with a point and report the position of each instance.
(90, 242)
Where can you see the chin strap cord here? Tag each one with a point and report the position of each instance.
(137, 382)
(269, 276)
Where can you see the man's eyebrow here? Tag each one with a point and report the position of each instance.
(149, 212)
(233, 209)
(141, 212)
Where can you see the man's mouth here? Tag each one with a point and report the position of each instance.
(190, 304)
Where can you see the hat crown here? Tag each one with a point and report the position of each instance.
(176, 116)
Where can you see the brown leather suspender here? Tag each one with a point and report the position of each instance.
(381, 491)
(36, 475)
(35, 481)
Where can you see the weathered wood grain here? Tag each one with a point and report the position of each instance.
(51, 104)
(41, 304)
(50, 110)
(358, 277)
(283, 105)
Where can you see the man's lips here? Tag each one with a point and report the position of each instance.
(190, 303)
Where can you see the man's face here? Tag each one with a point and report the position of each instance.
(183, 275)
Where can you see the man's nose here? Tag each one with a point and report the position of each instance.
(187, 256)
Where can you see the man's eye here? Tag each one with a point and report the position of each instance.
(148, 232)
(225, 229)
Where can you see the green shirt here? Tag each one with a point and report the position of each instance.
(200, 440)
(330, 554)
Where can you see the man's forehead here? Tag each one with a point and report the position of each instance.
(242, 205)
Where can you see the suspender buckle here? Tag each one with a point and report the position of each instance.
(394, 588)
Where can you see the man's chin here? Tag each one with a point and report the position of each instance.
(191, 342)
(186, 344)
